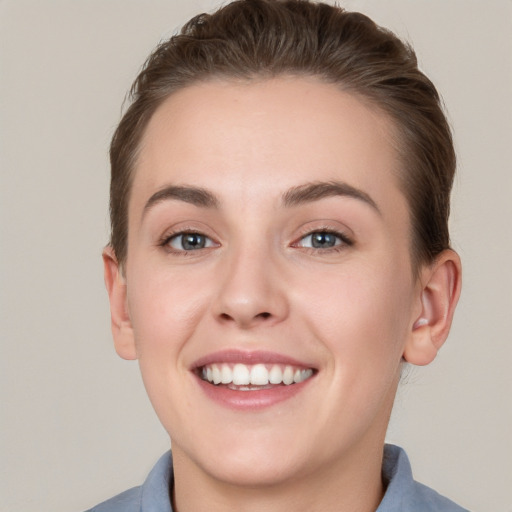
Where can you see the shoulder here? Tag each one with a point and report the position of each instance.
(154, 495)
(127, 501)
(430, 500)
(403, 493)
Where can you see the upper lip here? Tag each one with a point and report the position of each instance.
(248, 357)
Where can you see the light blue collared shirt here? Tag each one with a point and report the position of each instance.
(403, 494)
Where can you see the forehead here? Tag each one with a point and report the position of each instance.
(254, 140)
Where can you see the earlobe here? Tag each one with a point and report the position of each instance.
(439, 294)
(115, 283)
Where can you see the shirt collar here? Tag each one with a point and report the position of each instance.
(156, 490)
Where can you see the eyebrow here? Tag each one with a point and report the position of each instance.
(295, 196)
(193, 195)
(310, 192)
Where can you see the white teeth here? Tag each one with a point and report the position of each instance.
(288, 375)
(305, 374)
(216, 374)
(227, 374)
(241, 375)
(260, 374)
(275, 375)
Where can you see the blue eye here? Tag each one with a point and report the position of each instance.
(322, 240)
(189, 242)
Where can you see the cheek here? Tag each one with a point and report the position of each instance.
(361, 312)
(164, 309)
(359, 315)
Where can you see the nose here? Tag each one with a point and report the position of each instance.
(252, 291)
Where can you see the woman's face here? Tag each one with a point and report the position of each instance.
(269, 240)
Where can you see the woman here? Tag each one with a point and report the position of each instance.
(279, 205)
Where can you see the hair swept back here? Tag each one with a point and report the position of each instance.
(258, 39)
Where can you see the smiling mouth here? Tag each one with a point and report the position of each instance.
(242, 377)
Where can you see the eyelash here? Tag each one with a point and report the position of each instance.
(345, 241)
(166, 241)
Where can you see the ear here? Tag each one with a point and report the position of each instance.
(440, 286)
(115, 282)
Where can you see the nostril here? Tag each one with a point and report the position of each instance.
(263, 316)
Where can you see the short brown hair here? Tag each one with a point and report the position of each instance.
(250, 39)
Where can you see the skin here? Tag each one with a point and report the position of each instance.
(352, 312)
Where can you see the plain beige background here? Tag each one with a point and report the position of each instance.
(76, 424)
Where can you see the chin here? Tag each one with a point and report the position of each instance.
(255, 470)
(250, 460)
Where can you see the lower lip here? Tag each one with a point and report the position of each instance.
(251, 400)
